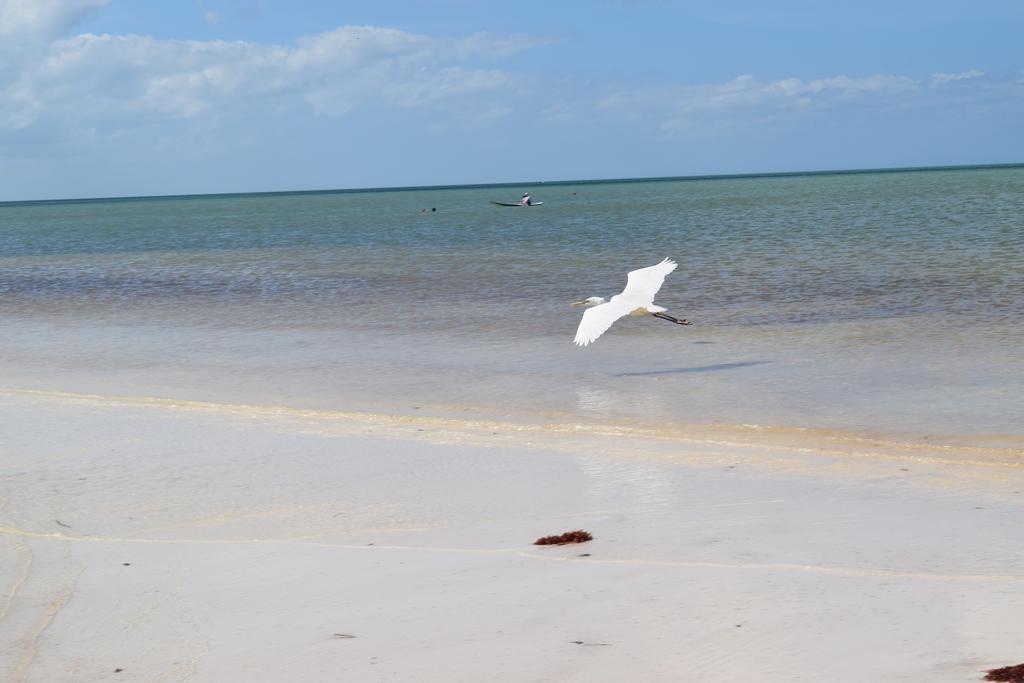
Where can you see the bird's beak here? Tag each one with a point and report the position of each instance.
(579, 303)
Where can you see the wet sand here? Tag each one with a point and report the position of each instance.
(145, 539)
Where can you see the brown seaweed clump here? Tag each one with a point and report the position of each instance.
(1012, 674)
(578, 536)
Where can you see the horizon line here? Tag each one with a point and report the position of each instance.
(470, 186)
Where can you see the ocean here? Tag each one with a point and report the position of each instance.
(886, 304)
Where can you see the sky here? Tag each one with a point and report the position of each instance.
(103, 98)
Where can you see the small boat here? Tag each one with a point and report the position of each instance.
(516, 204)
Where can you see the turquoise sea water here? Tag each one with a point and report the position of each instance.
(887, 302)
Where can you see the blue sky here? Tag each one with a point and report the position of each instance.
(116, 98)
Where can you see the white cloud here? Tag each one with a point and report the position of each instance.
(705, 107)
(559, 112)
(943, 79)
(28, 19)
(747, 92)
(117, 79)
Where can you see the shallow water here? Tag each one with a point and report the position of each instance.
(870, 302)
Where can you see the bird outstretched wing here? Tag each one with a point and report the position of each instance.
(644, 283)
(598, 319)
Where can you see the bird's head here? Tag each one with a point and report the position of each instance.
(589, 301)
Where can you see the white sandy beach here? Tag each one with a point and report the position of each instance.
(150, 540)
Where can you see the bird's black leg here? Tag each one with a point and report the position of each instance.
(677, 321)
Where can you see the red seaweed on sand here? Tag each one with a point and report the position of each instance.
(1012, 674)
(578, 536)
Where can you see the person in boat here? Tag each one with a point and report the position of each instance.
(527, 200)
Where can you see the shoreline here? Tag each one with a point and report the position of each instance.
(469, 426)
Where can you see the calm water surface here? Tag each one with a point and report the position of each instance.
(879, 302)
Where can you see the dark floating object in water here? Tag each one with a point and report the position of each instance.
(579, 536)
(580, 642)
(1012, 674)
(344, 636)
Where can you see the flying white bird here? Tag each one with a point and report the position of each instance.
(636, 299)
